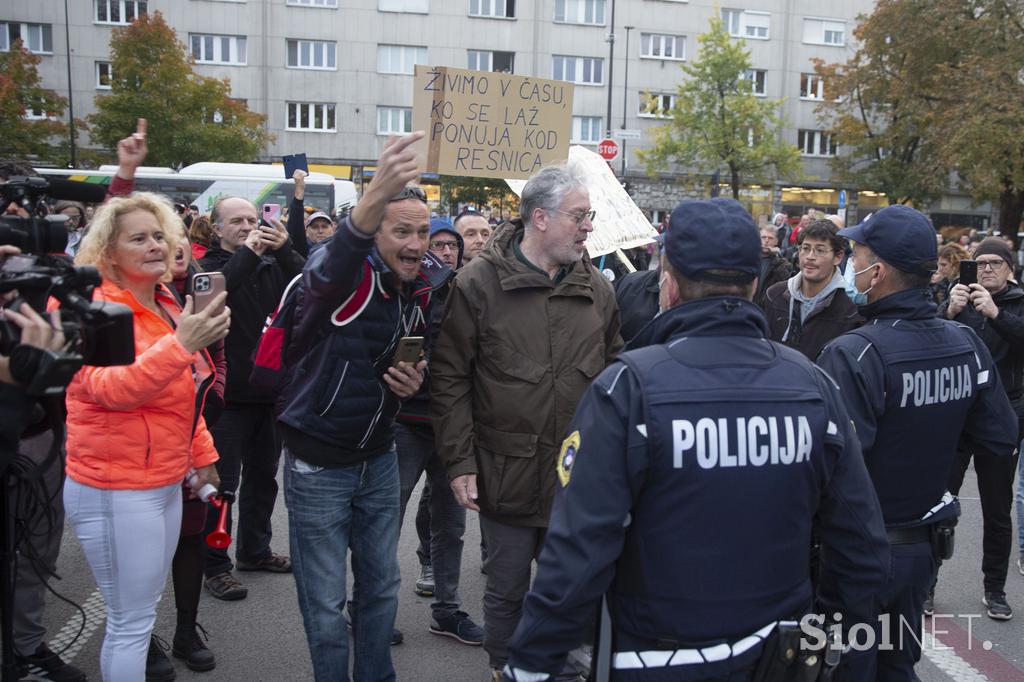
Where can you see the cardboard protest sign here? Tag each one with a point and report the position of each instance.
(490, 125)
(618, 222)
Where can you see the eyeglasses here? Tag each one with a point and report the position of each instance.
(992, 265)
(410, 193)
(819, 251)
(441, 246)
(580, 217)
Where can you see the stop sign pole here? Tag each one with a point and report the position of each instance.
(608, 149)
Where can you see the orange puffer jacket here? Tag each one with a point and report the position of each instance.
(140, 426)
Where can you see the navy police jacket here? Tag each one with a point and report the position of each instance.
(350, 314)
(917, 387)
(685, 459)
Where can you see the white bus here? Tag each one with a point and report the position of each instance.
(202, 183)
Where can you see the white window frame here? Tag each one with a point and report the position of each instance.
(122, 9)
(402, 116)
(236, 47)
(747, 24)
(815, 90)
(816, 31)
(310, 112)
(25, 32)
(493, 9)
(578, 68)
(315, 4)
(815, 140)
(579, 123)
(483, 60)
(408, 56)
(577, 12)
(309, 51)
(656, 44)
(666, 102)
(31, 115)
(110, 75)
(404, 6)
(752, 76)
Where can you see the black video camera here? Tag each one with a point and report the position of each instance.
(98, 333)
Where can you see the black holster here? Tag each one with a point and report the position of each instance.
(943, 535)
(783, 661)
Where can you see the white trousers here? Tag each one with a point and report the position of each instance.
(129, 538)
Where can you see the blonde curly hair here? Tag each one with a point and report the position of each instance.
(99, 242)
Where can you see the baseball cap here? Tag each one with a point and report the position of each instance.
(901, 236)
(316, 215)
(714, 240)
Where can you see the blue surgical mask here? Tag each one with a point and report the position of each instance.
(850, 277)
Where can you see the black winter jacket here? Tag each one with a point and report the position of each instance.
(637, 296)
(837, 318)
(255, 284)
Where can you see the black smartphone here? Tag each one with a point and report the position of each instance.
(968, 272)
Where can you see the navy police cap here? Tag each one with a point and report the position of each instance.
(901, 236)
(715, 240)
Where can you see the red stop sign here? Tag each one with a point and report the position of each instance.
(608, 149)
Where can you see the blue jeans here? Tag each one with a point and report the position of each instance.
(330, 511)
(416, 454)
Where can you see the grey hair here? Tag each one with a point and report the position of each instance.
(547, 188)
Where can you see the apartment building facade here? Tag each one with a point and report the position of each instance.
(334, 77)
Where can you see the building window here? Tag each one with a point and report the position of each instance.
(746, 24)
(212, 49)
(825, 32)
(318, 118)
(483, 60)
(119, 11)
(314, 3)
(399, 58)
(34, 114)
(757, 79)
(394, 120)
(587, 129)
(104, 76)
(656, 105)
(812, 86)
(579, 70)
(36, 38)
(815, 143)
(501, 9)
(580, 11)
(312, 54)
(660, 46)
(414, 6)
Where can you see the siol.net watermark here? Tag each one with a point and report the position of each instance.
(882, 633)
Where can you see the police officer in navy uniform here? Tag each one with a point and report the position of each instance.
(915, 386)
(690, 479)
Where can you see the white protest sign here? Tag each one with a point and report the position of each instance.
(618, 223)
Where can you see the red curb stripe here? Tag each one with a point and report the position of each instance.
(951, 633)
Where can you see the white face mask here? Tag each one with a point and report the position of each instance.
(850, 276)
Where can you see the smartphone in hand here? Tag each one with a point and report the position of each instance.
(207, 286)
(409, 349)
(968, 272)
(271, 212)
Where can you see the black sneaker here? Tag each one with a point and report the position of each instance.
(458, 626)
(158, 666)
(188, 645)
(48, 665)
(998, 609)
(225, 586)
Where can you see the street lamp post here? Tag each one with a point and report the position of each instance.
(625, 99)
(71, 95)
(611, 70)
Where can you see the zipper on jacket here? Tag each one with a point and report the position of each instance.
(149, 439)
(336, 389)
(376, 418)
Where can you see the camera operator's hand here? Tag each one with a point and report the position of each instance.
(8, 250)
(36, 331)
(207, 474)
(131, 151)
(959, 297)
(198, 330)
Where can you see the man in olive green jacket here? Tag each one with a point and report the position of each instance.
(527, 326)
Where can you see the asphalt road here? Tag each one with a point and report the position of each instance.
(262, 638)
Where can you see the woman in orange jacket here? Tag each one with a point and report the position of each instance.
(135, 430)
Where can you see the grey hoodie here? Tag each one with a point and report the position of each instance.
(809, 307)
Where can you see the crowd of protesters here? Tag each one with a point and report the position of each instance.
(292, 367)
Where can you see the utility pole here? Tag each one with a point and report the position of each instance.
(611, 70)
(71, 95)
(625, 99)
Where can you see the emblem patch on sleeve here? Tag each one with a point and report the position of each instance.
(567, 457)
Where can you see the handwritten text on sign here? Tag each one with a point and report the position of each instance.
(490, 125)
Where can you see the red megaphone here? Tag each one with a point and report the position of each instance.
(220, 538)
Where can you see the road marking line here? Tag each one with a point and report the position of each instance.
(948, 661)
(95, 614)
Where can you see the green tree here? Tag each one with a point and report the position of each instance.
(479, 191)
(20, 94)
(936, 87)
(718, 124)
(191, 118)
